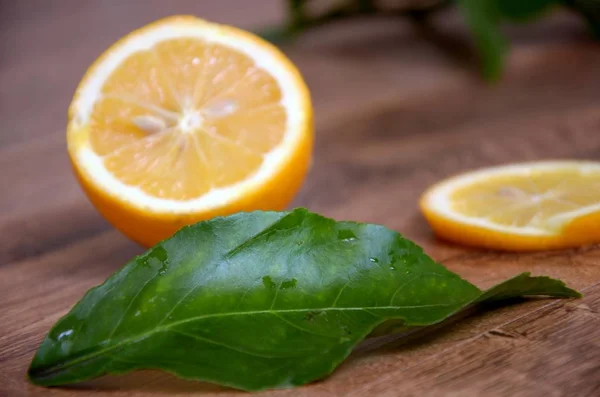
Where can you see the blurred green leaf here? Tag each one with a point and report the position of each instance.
(590, 10)
(366, 5)
(278, 34)
(483, 17)
(523, 9)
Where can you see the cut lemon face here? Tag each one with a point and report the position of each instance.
(531, 206)
(184, 120)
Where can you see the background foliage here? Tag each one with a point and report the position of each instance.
(484, 19)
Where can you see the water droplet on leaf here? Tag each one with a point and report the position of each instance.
(346, 235)
(64, 335)
(163, 270)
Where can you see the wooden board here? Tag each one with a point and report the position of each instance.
(397, 108)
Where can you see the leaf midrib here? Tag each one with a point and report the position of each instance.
(167, 327)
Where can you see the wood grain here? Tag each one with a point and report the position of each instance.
(397, 108)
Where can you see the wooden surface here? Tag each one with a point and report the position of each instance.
(397, 108)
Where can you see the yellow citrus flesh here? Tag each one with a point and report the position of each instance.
(531, 206)
(184, 120)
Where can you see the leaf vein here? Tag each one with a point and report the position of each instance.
(340, 293)
(225, 345)
(213, 315)
(400, 288)
(302, 328)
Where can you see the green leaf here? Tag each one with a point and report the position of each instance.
(520, 286)
(482, 18)
(257, 300)
(525, 285)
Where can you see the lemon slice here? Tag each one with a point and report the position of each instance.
(184, 120)
(530, 206)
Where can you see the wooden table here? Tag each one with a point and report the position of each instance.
(397, 108)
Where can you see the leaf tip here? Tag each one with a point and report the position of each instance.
(558, 288)
(33, 375)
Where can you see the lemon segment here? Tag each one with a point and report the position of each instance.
(525, 206)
